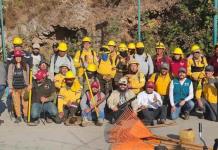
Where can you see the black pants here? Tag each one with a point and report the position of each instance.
(70, 111)
(149, 114)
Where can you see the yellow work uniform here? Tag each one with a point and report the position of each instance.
(195, 68)
(162, 83)
(69, 95)
(113, 57)
(59, 81)
(88, 57)
(105, 68)
(208, 91)
(136, 82)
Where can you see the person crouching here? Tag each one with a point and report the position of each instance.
(151, 105)
(87, 106)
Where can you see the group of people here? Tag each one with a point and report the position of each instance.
(94, 85)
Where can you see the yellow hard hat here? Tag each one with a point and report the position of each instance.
(123, 47)
(133, 61)
(62, 46)
(104, 48)
(86, 39)
(140, 45)
(160, 45)
(178, 51)
(111, 43)
(195, 48)
(69, 75)
(17, 41)
(92, 67)
(131, 46)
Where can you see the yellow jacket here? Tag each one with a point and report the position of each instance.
(192, 64)
(59, 80)
(106, 68)
(136, 82)
(208, 91)
(88, 57)
(69, 95)
(162, 83)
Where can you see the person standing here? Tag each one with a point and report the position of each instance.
(18, 82)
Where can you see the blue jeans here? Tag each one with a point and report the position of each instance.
(92, 115)
(189, 105)
(38, 108)
(2, 89)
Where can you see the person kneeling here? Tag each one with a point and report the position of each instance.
(43, 95)
(151, 105)
(68, 100)
(88, 108)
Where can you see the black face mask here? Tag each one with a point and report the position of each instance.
(131, 52)
(69, 84)
(35, 53)
(140, 51)
(124, 54)
(90, 74)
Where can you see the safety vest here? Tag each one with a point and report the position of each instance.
(18, 78)
(180, 92)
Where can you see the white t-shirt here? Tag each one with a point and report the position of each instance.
(148, 100)
(36, 61)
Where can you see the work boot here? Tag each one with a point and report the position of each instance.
(161, 121)
(18, 120)
(34, 123)
(185, 116)
(85, 122)
(25, 119)
(70, 121)
(1, 121)
(57, 119)
(48, 120)
(99, 123)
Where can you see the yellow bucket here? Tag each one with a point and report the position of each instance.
(187, 135)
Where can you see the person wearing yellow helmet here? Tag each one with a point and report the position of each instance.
(121, 63)
(61, 58)
(160, 56)
(112, 47)
(85, 56)
(59, 78)
(69, 99)
(131, 49)
(18, 45)
(177, 62)
(196, 64)
(105, 71)
(146, 64)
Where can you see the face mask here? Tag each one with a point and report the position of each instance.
(104, 57)
(124, 54)
(140, 51)
(131, 52)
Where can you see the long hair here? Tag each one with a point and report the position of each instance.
(23, 64)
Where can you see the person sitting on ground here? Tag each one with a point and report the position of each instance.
(59, 78)
(88, 105)
(18, 82)
(151, 105)
(120, 98)
(43, 95)
(162, 81)
(207, 92)
(69, 98)
(61, 58)
(136, 79)
(181, 95)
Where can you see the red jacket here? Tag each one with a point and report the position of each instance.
(158, 62)
(176, 64)
(214, 62)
